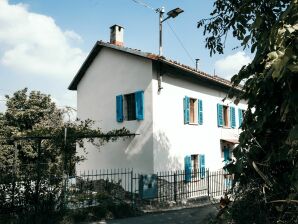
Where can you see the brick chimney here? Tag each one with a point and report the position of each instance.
(116, 36)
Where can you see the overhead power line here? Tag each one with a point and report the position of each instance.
(171, 28)
(144, 4)
(181, 43)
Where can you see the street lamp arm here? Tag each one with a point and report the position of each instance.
(165, 19)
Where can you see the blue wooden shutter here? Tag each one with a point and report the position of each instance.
(202, 166)
(186, 110)
(119, 108)
(139, 98)
(219, 115)
(226, 152)
(232, 117)
(200, 109)
(240, 115)
(187, 167)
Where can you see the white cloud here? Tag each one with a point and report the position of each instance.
(34, 44)
(231, 64)
(73, 36)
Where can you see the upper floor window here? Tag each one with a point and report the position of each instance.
(130, 106)
(226, 116)
(193, 110)
(129, 110)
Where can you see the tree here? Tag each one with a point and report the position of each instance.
(38, 147)
(265, 166)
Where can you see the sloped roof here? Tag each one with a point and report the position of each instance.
(100, 44)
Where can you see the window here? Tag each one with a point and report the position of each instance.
(226, 116)
(193, 111)
(194, 165)
(130, 106)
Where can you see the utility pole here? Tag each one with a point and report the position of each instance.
(171, 14)
(161, 12)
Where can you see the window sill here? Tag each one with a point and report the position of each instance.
(193, 123)
(226, 127)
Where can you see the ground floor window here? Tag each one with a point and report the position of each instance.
(195, 164)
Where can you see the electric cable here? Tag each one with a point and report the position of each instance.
(181, 43)
(144, 4)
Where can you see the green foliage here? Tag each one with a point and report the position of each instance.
(37, 148)
(265, 169)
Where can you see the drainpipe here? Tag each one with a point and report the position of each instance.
(159, 77)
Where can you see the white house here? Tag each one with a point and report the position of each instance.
(178, 112)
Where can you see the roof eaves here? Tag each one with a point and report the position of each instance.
(74, 83)
(200, 73)
(99, 44)
(130, 50)
(97, 47)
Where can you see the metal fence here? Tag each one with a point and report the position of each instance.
(43, 190)
(89, 188)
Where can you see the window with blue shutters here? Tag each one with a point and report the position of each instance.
(187, 168)
(130, 106)
(232, 117)
(226, 116)
(192, 110)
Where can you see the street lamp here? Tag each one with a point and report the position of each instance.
(171, 14)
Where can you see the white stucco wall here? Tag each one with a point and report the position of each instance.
(164, 139)
(113, 73)
(173, 139)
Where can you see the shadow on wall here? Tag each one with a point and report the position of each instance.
(136, 146)
(163, 160)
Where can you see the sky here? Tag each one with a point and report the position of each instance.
(43, 43)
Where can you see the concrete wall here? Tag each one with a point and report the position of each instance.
(113, 73)
(173, 139)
